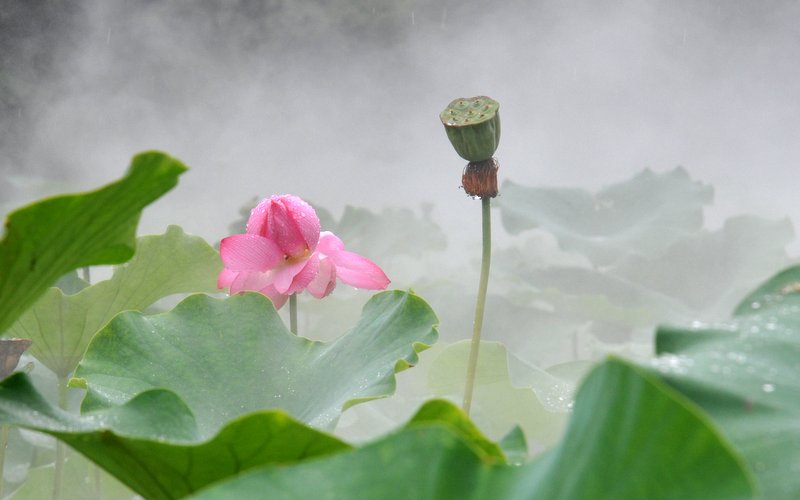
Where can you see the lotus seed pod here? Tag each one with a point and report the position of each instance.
(473, 127)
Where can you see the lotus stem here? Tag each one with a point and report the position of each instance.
(293, 313)
(58, 475)
(98, 481)
(477, 325)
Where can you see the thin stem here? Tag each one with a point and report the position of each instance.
(60, 450)
(477, 325)
(87, 277)
(98, 481)
(293, 313)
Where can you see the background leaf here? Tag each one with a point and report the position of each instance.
(644, 214)
(540, 407)
(62, 325)
(87, 482)
(52, 237)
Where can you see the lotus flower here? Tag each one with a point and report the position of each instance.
(283, 252)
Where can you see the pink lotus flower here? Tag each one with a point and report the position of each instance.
(283, 252)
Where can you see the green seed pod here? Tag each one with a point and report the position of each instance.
(473, 127)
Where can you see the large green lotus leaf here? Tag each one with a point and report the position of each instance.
(49, 238)
(228, 357)
(153, 444)
(631, 437)
(745, 374)
(644, 214)
(61, 325)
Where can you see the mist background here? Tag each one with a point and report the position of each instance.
(338, 101)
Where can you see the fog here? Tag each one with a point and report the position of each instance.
(339, 103)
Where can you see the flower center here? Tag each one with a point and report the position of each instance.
(294, 259)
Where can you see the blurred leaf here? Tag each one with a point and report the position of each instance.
(713, 268)
(514, 446)
(61, 325)
(632, 436)
(643, 215)
(440, 411)
(781, 288)
(699, 276)
(71, 283)
(745, 374)
(84, 481)
(47, 239)
(392, 231)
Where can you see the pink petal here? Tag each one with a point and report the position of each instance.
(226, 277)
(329, 243)
(249, 252)
(325, 281)
(352, 268)
(292, 278)
(306, 275)
(257, 222)
(250, 282)
(293, 225)
(278, 299)
(359, 271)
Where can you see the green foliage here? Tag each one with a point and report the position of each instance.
(48, 239)
(443, 412)
(173, 405)
(228, 357)
(745, 374)
(435, 456)
(62, 324)
(152, 444)
(781, 288)
(631, 437)
(714, 416)
(217, 398)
